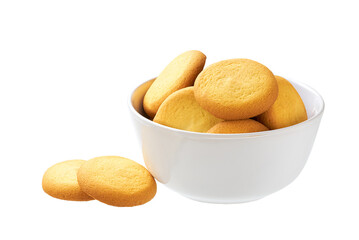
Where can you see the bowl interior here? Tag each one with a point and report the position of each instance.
(313, 102)
(138, 95)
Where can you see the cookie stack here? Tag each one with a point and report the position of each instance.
(113, 180)
(230, 96)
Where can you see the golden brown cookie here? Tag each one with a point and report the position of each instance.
(287, 110)
(117, 181)
(238, 126)
(236, 89)
(179, 73)
(181, 110)
(60, 181)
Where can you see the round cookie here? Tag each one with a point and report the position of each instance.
(238, 126)
(287, 110)
(181, 110)
(179, 73)
(117, 181)
(236, 89)
(60, 181)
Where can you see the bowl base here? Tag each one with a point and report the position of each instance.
(222, 201)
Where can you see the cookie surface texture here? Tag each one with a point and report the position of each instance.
(117, 181)
(181, 110)
(238, 126)
(287, 110)
(60, 181)
(236, 89)
(179, 73)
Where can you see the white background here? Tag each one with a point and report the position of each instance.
(67, 68)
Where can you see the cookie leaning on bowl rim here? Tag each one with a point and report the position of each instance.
(181, 72)
(287, 110)
(236, 89)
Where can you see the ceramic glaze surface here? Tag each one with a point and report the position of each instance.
(227, 168)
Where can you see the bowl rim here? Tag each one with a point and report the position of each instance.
(230, 135)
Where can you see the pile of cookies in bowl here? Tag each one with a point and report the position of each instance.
(230, 132)
(228, 97)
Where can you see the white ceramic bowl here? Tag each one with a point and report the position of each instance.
(227, 168)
